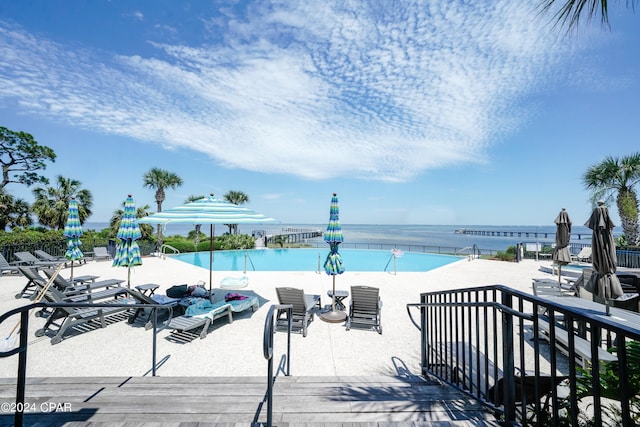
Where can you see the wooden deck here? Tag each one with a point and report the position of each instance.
(240, 401)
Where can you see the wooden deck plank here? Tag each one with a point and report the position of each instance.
(182, 401)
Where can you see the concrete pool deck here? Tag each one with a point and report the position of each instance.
(236, 349)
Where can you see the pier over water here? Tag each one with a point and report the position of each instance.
(294, 235)
(519, 233)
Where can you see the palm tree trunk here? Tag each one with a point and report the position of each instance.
(627, 202)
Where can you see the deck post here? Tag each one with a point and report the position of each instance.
(509, 363)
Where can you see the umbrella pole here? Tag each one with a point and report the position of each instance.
(210, 261)
(71, 278)
(559, 272)
(333, 295)
(334, 316)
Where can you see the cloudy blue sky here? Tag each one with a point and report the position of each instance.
(414, 112)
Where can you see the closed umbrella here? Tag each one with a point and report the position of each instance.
(561, 254)
(73, 231)
(333, 264)
(127, 249)
(207, 210)
(603, 283)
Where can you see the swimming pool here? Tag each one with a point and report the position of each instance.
(572, 270)
(313, 259)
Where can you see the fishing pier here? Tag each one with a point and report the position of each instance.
(295, 235)
(520, 233)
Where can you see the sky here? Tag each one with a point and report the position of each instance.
(413, 112)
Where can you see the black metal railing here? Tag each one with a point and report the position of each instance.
(445, 250)
(22, 346)
(269, 332)
(59, 247)
(492, 343)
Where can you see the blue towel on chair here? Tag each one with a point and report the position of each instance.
(205, 308)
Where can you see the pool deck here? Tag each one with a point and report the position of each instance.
(236, 349)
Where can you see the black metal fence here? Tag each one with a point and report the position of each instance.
(489, 342)
(58, 248)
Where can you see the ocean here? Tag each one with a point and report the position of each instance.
(405, 236)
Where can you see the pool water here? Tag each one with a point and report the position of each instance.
(574, 270)
(313, 259)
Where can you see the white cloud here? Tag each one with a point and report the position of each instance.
(316, 89)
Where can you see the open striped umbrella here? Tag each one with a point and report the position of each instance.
(333, 265)
(207, 210)
(127, 250)
(73, 231)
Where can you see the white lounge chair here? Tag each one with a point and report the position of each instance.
(584, 255)
(100, 252)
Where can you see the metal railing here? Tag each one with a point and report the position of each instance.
(267, 345)
(446, 250)
(59, 247)
(248, 257)
(627, 258)
(488, 342)
(170, 248)
(22, 346)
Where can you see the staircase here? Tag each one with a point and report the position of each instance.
(240, 401)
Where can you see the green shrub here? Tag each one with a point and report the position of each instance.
(506, 256)
(31, 237)
(236, 241)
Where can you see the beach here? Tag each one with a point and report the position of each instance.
(236, 349)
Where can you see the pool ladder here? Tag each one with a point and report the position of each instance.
(173, 250)
(248, 257)
(472, 251)
(394, 255)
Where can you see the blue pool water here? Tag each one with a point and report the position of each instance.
(310, 259)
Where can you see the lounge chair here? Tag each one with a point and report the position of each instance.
(86, 283)
(35, 280)
(45, 256)
(365, 308)
(546, 287)
(27, 258)
(6, 266)
(100, 252)
(141, 298)
(71, 317)
(304, 306)
(204, 312)
(584, 255)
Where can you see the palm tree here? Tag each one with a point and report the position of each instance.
(237, 198)
(141, 211)
(280, 240)
(570, 11)
(159, 179)
(13, 212)
(615, 177)
(197, 233)
(52, 203)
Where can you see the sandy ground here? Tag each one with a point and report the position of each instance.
(236, 349)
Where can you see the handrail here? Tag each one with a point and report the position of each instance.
(21, 348)
(246, 255)
(395, 253)
(387, 264)
(479, 340)
(164, 246)
(267, 348)
(473, 253)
